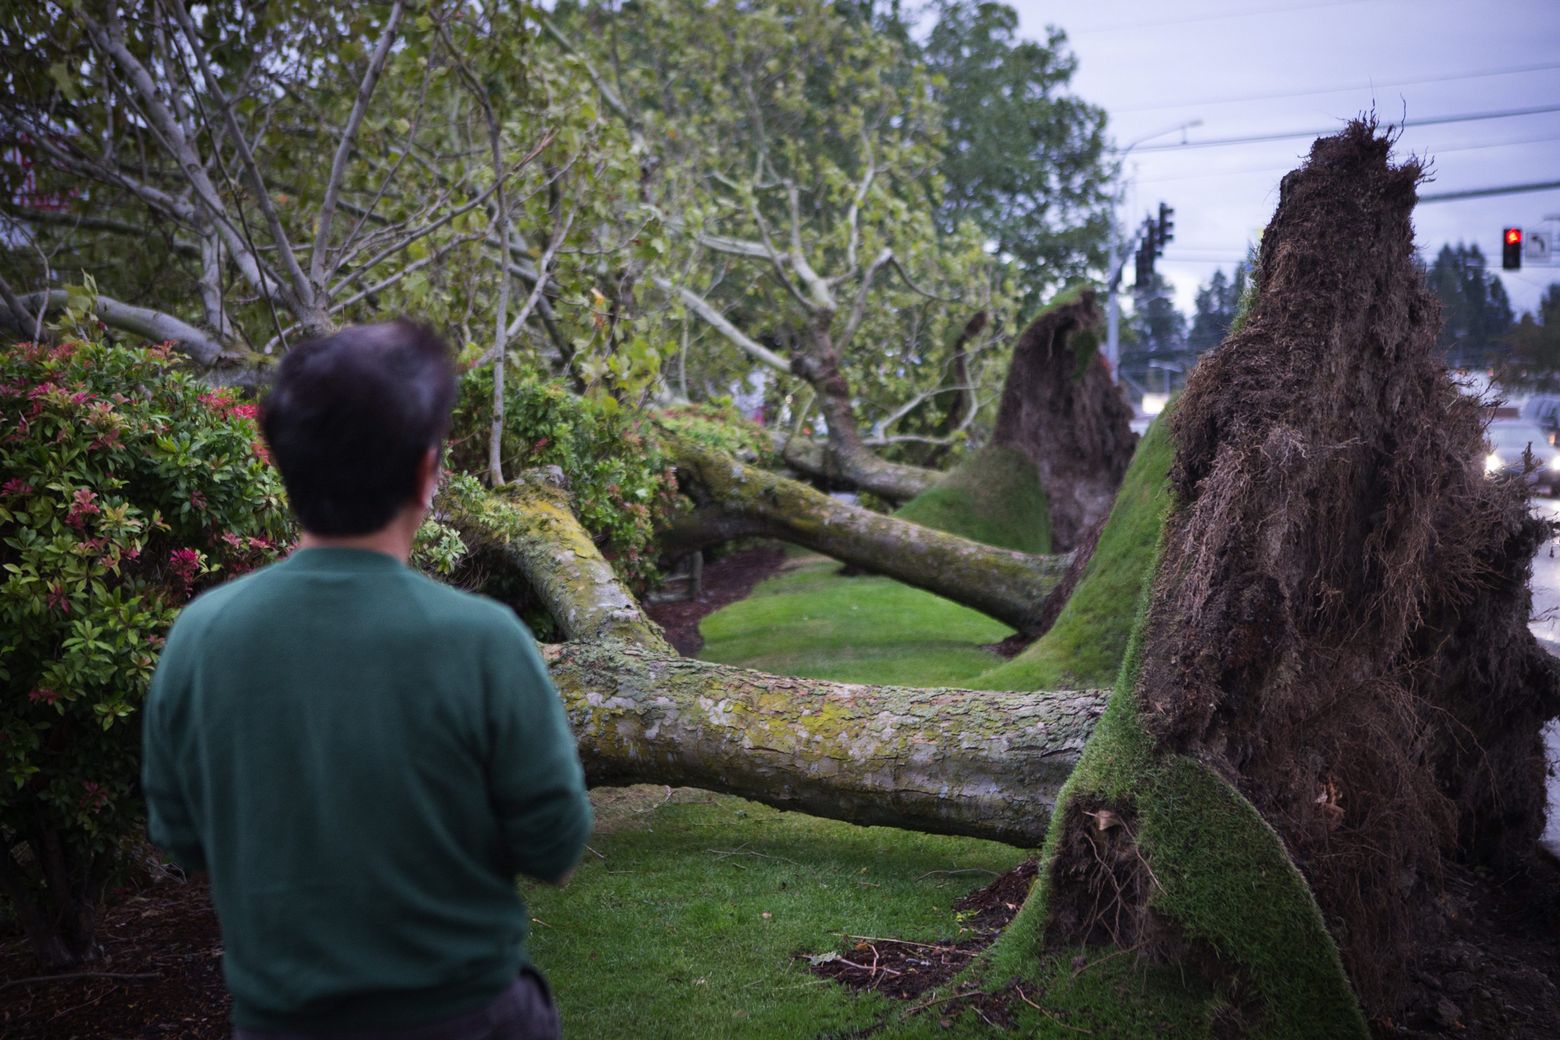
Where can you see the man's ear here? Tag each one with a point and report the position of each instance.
(428, 477)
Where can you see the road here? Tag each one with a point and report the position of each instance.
(1546, 625)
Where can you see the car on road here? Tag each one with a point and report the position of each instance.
(1506, 443)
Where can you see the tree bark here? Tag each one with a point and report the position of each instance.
(1007, 585)
(844, 460)
(975, 763)
(965, 762)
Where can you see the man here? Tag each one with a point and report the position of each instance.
(361, 758)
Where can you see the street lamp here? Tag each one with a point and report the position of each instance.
(1119, 252)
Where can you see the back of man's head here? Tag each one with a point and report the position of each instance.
(350, 418)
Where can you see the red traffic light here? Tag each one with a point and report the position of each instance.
(1511, 249)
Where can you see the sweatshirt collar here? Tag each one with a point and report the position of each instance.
(342, 561)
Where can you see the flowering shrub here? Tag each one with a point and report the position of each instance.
(623, 486)
(128, 488)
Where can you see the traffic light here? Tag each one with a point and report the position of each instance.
(1166, 229)
(1511, 249)
(1147, 250)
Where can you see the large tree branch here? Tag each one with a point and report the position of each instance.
(1007, 585)
(971, 762)
(193, 169)
(142, 321)
(302, 289)
(979, 763)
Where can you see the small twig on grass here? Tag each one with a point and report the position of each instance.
(901, 942)
(1050, 1014)
(656, 806)
(1134, 948)
(593, 852)
(743, 850)
(81, 975)
(962, 870)
(871, 970)
(943, 999)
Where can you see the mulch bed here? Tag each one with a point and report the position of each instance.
(160, 976)
(726, 580)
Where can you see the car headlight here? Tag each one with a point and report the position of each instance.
(1554, 462)
(1491, 462)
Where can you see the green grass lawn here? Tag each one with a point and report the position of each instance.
(694, 922)
(811, 621)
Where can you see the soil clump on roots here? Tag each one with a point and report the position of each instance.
(1062, 410)
(1337, 634)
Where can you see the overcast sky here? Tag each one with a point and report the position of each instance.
(1257, 67)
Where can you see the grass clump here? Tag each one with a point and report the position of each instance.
(994, 496)
(1085, 646)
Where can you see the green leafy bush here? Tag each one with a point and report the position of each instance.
(127, 488)
(623, 486)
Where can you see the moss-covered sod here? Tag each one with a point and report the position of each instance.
(1204, 850)
(993, 496)
(1085, 645)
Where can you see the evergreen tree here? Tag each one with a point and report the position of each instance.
(1532, 357)
(1155, 336)
(1216, 306)
(1024, 158)
(1476, 313)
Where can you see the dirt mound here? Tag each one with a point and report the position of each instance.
(1339, 622)
(1060, 408)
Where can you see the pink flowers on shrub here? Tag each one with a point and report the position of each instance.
(83, 505)
(184, 565)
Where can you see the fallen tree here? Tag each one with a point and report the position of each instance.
(948, 761)
(1333, 696)
(736, 499)
(1062, 411)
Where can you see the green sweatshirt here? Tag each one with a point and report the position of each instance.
(362, 759)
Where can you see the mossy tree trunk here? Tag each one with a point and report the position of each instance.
(740, 499)
(948, 761)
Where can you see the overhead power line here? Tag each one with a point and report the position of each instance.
(1479, 193)
(1229, 99)
(1429, 150)
(1468, 117)
(1219, 16)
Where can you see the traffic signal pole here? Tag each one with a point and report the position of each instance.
(1119, 252)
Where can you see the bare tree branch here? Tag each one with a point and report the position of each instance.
(702, 308)
(338, 166)
(143, 321)
(859, 311)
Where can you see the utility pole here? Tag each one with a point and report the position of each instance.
(1119, 252)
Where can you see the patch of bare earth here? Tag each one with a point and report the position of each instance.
(160, 976)
(726, 581)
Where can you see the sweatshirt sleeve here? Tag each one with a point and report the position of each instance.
(169, 822)
(534, 776)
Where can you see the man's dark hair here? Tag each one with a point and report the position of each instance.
(350, 418)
